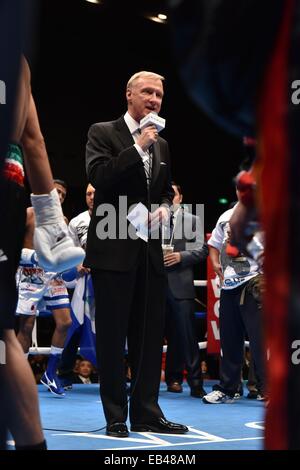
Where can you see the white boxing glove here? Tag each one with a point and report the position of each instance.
(54, 247)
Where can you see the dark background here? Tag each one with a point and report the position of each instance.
(81, 56)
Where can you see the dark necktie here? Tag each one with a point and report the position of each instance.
(171, 225)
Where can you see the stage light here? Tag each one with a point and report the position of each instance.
(159, 18)
(93, 1)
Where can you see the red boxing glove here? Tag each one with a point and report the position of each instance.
(246, 185)
(232, 251)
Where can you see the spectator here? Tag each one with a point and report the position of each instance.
(85, 374)
(183, 351)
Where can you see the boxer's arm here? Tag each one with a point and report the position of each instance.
(35, 153)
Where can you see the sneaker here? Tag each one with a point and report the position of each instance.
(217, 397)
(237, 395)
(53, 385)
(261, 397)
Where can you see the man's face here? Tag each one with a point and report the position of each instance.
(144, 97)
(89, 197)
(177, 199)
(85, 368)
(62, 192)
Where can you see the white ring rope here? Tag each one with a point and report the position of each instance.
(35, 349)
(46, 350)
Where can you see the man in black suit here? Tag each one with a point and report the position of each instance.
(183, 351)
(127, 166)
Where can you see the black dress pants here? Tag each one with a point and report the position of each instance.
(123, 309)
(183, 351)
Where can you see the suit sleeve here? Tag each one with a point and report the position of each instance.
(198, 251)
(104, 168)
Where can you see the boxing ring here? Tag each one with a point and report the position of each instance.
(76, 422)
(35, 349)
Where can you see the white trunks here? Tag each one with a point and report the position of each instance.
(39, 290)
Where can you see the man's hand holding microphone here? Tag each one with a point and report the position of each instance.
(150, 126)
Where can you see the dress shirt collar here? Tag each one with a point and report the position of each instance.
(131, 123)
(85, 380)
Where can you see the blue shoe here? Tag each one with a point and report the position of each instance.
(53, 385)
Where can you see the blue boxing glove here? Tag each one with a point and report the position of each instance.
(69, 275)
(70, 278)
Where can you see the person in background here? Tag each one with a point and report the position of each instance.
(85, 373)
(183, 351)
(240, 313)
(80, 330)
(38, 290)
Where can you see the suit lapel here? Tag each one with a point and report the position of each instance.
(124, 133)
(125, 137)
(155, 162)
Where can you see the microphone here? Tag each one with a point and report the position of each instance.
(152, 119)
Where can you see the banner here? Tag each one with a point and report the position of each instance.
(83, 317)
(213, 301)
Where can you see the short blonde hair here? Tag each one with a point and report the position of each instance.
(143, 74)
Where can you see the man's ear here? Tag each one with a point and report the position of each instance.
(128, 94)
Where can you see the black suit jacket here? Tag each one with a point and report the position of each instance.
(115, 168)
(181, 275)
